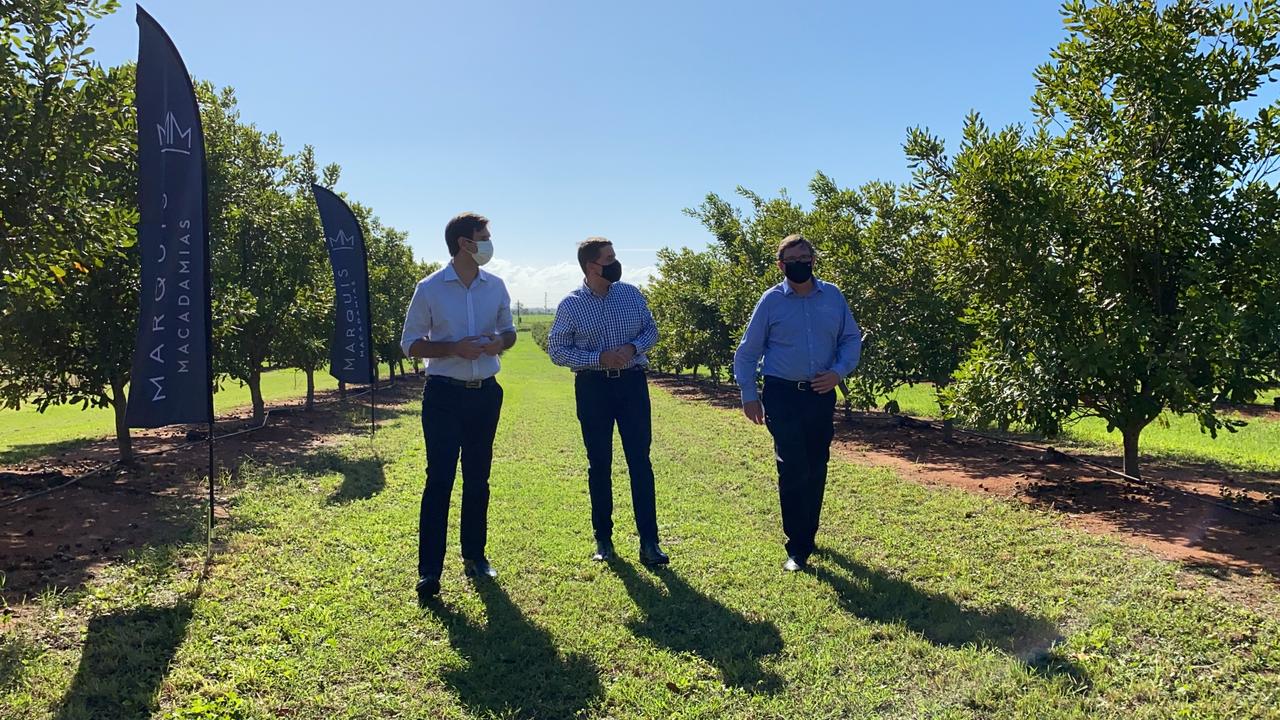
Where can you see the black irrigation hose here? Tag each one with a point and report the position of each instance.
(161, 451)
(1054, 452)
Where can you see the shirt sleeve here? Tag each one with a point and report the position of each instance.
(505, 323)
(747, 358)
(849, 344)
(648, 336)
(560, 340)
(417, 319)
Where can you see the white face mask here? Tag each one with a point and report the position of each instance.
(484, 251)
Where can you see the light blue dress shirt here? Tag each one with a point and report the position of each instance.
(798, 337)
(445, 310)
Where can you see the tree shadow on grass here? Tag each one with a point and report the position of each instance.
(513, 668)
(680, 618)
(873, 595)
(125, 659)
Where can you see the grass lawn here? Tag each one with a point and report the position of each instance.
(1253, 447)
(923, 602)
(25, 433)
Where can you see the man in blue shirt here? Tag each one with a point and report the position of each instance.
(602, 331)
(808, 339)
(459, 320)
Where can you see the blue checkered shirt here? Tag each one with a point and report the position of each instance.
(587, 324)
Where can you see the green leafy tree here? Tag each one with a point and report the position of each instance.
(880, 245)
(1122, 256)
(260, 262)
(55, 140)
(305, 332)
(73, 342)
(693, 330)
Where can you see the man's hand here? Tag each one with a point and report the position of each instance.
(617, 358)
(754, 411)
(495, 346)
(470, 348)
(825, 382)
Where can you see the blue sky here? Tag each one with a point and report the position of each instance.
(561, 120)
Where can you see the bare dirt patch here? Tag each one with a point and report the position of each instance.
(58, 539)
(1178, 513)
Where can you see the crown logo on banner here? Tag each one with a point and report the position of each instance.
(172, 136)
(342, 241)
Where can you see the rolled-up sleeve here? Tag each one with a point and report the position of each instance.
(747, 357)
(505, 323)
(417, 319)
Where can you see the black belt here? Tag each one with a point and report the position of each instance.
(803, 385)
(469, 384)
(610, 373)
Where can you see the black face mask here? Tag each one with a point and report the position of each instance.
(798, 272)
(611, 272)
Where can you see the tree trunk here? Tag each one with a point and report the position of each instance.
(311, 389)
(1131, 450)
(255, 392)
(342, 390)
(123, 440)
(400, 362)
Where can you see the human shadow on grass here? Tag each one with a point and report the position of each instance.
(678, 617)
(513, 668)
(362, 478)
(125, 659)
(873, 595)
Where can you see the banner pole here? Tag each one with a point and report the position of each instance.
(209, 542)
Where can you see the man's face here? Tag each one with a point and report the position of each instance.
(796, 253)
(469, 244)
(606, 257)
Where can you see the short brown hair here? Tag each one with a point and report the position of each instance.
(791, 241)
(462, 226)
(589, 250)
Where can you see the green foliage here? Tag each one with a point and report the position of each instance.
(1122, 257)
(692, 330)
(81, 327)
(58, 130)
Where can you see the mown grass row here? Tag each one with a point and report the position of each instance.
(923, 602)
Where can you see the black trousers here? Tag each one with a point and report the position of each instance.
(800, 422)
(603, 401)
(456, 421)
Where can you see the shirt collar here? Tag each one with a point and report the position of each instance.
(450, 273)
(788, 290)
(587, 289)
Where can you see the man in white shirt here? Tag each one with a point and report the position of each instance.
(459, 320)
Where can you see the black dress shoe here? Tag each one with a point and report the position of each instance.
(604, 551)
(478, 568)
(794, 564)
(428, 588)
(651, 554)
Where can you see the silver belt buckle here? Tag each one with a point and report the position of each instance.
(802, 384)
(473, 384)
(613, 373)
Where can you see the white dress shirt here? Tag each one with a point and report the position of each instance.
(445, 310)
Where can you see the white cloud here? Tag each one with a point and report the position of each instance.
(529, 284)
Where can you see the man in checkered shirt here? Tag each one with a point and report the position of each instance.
(602, 331)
